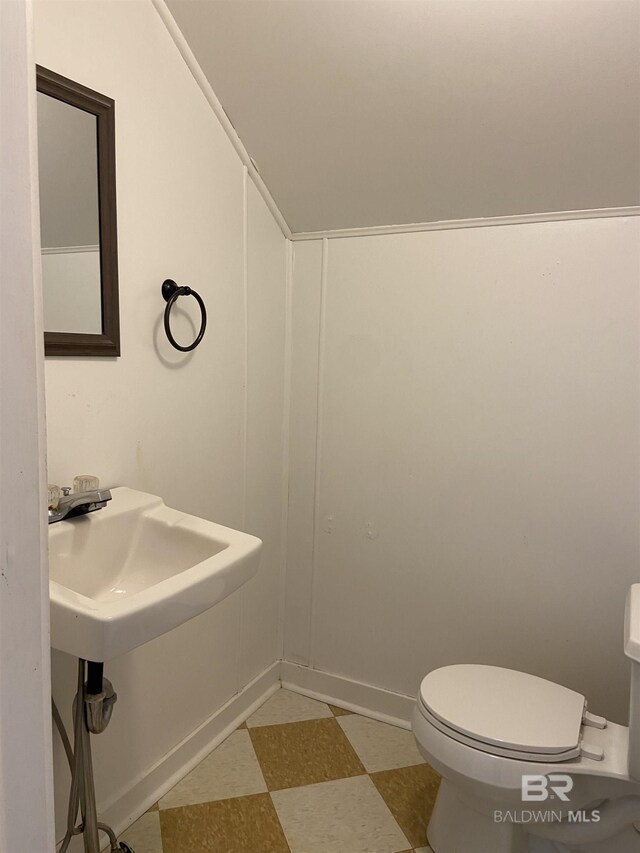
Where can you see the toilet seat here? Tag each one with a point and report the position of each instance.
(492, 749)
(504, 712)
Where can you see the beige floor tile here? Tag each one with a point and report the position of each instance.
(339, 712)
(304, 753)
(231, 770)
(410, 794)
(241, 825)
(346, 816)
(379, 745)
(423, 850)
(144, 835)
(288, 707)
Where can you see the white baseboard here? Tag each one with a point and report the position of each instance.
(142, 792)
(365, 699)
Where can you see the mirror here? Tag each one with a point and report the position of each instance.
(76, 159)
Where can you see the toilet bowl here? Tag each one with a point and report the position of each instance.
(526, 767)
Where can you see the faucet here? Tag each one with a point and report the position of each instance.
(78, 503)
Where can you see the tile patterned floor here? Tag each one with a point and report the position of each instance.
(300, 776)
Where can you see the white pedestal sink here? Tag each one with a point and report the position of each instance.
(136, 569)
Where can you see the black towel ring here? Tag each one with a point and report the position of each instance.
(171, 291)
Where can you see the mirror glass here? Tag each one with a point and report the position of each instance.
(78, 221)
(69, 217)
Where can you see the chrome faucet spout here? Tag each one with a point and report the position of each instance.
(79, 503)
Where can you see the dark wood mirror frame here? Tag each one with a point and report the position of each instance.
(107, 343)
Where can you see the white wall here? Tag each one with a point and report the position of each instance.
(26, 773)
(203, 430)
(477, 450)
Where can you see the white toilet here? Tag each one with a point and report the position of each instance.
(488, 730)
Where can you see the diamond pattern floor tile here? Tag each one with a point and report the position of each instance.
(379, 745)
(300, 776)
(345, 816)
(231, 770)
(240, 825)
(296, 754)
(144, 835)
(410, 794)
(288, 707)
(339, 712)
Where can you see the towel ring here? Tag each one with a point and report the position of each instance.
(171, 291)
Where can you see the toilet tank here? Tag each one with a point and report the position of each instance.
(632, 651)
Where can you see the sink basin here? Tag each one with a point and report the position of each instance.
(136, 569)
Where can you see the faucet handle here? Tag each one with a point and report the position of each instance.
(86, 483)
(66, 490)
(53, 495)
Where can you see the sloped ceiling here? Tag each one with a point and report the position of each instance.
(379, 112)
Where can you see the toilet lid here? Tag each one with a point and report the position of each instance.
(505, 708)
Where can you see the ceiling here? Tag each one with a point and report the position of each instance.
(378, 112)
